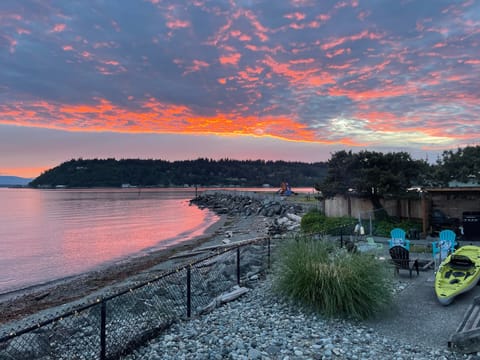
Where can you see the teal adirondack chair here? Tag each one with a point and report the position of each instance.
(371, 242)
(444, 246)
(397, 237)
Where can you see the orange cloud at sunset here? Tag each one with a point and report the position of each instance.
(153, 116)
(312, 76)
(230, 59)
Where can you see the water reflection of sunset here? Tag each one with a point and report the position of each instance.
(52, 234)
(128, 230)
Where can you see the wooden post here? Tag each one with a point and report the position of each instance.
(238, 266)
(425, 212)
(349, 204)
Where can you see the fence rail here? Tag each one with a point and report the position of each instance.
(115, 325)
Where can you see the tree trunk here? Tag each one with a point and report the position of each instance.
(379, 211)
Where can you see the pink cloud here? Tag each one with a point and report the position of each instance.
(260, 30)
(230, 59)
(197, 65)
(297, 16)
(362, 35)
(338, 52)
(177, 24)
(472, 62)
(22, 31)
(59, 28)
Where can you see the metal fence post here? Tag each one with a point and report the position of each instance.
(238, 266)
(103, 327)
(189, 290)
(341, 236)
(268, 252)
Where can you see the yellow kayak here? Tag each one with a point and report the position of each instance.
(458, 273)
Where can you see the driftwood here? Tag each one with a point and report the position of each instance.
(230, 244)
(224, 298)
(203, 250)
(428, 265)
(187, 254)
(232, 295)
(467, 337)
(42, 296)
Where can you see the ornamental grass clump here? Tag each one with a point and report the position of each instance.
(332, 281)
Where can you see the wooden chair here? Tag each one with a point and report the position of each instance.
(401, 259)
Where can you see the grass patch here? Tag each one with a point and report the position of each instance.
(332, 281)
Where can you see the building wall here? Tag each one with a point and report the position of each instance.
(363, 208)
(454, 202)
(338, 206)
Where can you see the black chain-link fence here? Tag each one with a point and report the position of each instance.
(115, 325)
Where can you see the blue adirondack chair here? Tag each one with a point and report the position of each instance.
(397, 237)
(444, 246)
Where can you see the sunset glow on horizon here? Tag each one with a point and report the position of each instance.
(284, 80)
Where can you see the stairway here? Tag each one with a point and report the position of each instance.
(467, 337)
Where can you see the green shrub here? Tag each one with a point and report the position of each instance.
(314, 222)
(332, 281)
(383, 228)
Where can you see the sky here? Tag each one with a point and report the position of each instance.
(285, 80)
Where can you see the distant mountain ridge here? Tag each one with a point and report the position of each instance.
(13, 181)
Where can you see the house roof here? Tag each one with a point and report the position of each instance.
(470, 189)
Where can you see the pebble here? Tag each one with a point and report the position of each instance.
(259, 325)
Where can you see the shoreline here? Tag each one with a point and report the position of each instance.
(240, 218)
(135, 256)
(18, 304)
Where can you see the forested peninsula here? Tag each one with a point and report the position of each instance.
(78, 173)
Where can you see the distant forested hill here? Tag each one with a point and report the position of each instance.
(13, 181)
(202, 172)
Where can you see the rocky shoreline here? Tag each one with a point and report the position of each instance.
(240, 219)
(52, 300)
(285, 215)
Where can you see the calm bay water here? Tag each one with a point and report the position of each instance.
(51, 234)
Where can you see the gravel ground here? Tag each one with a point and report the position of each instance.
(259, 326)
(419, 318)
